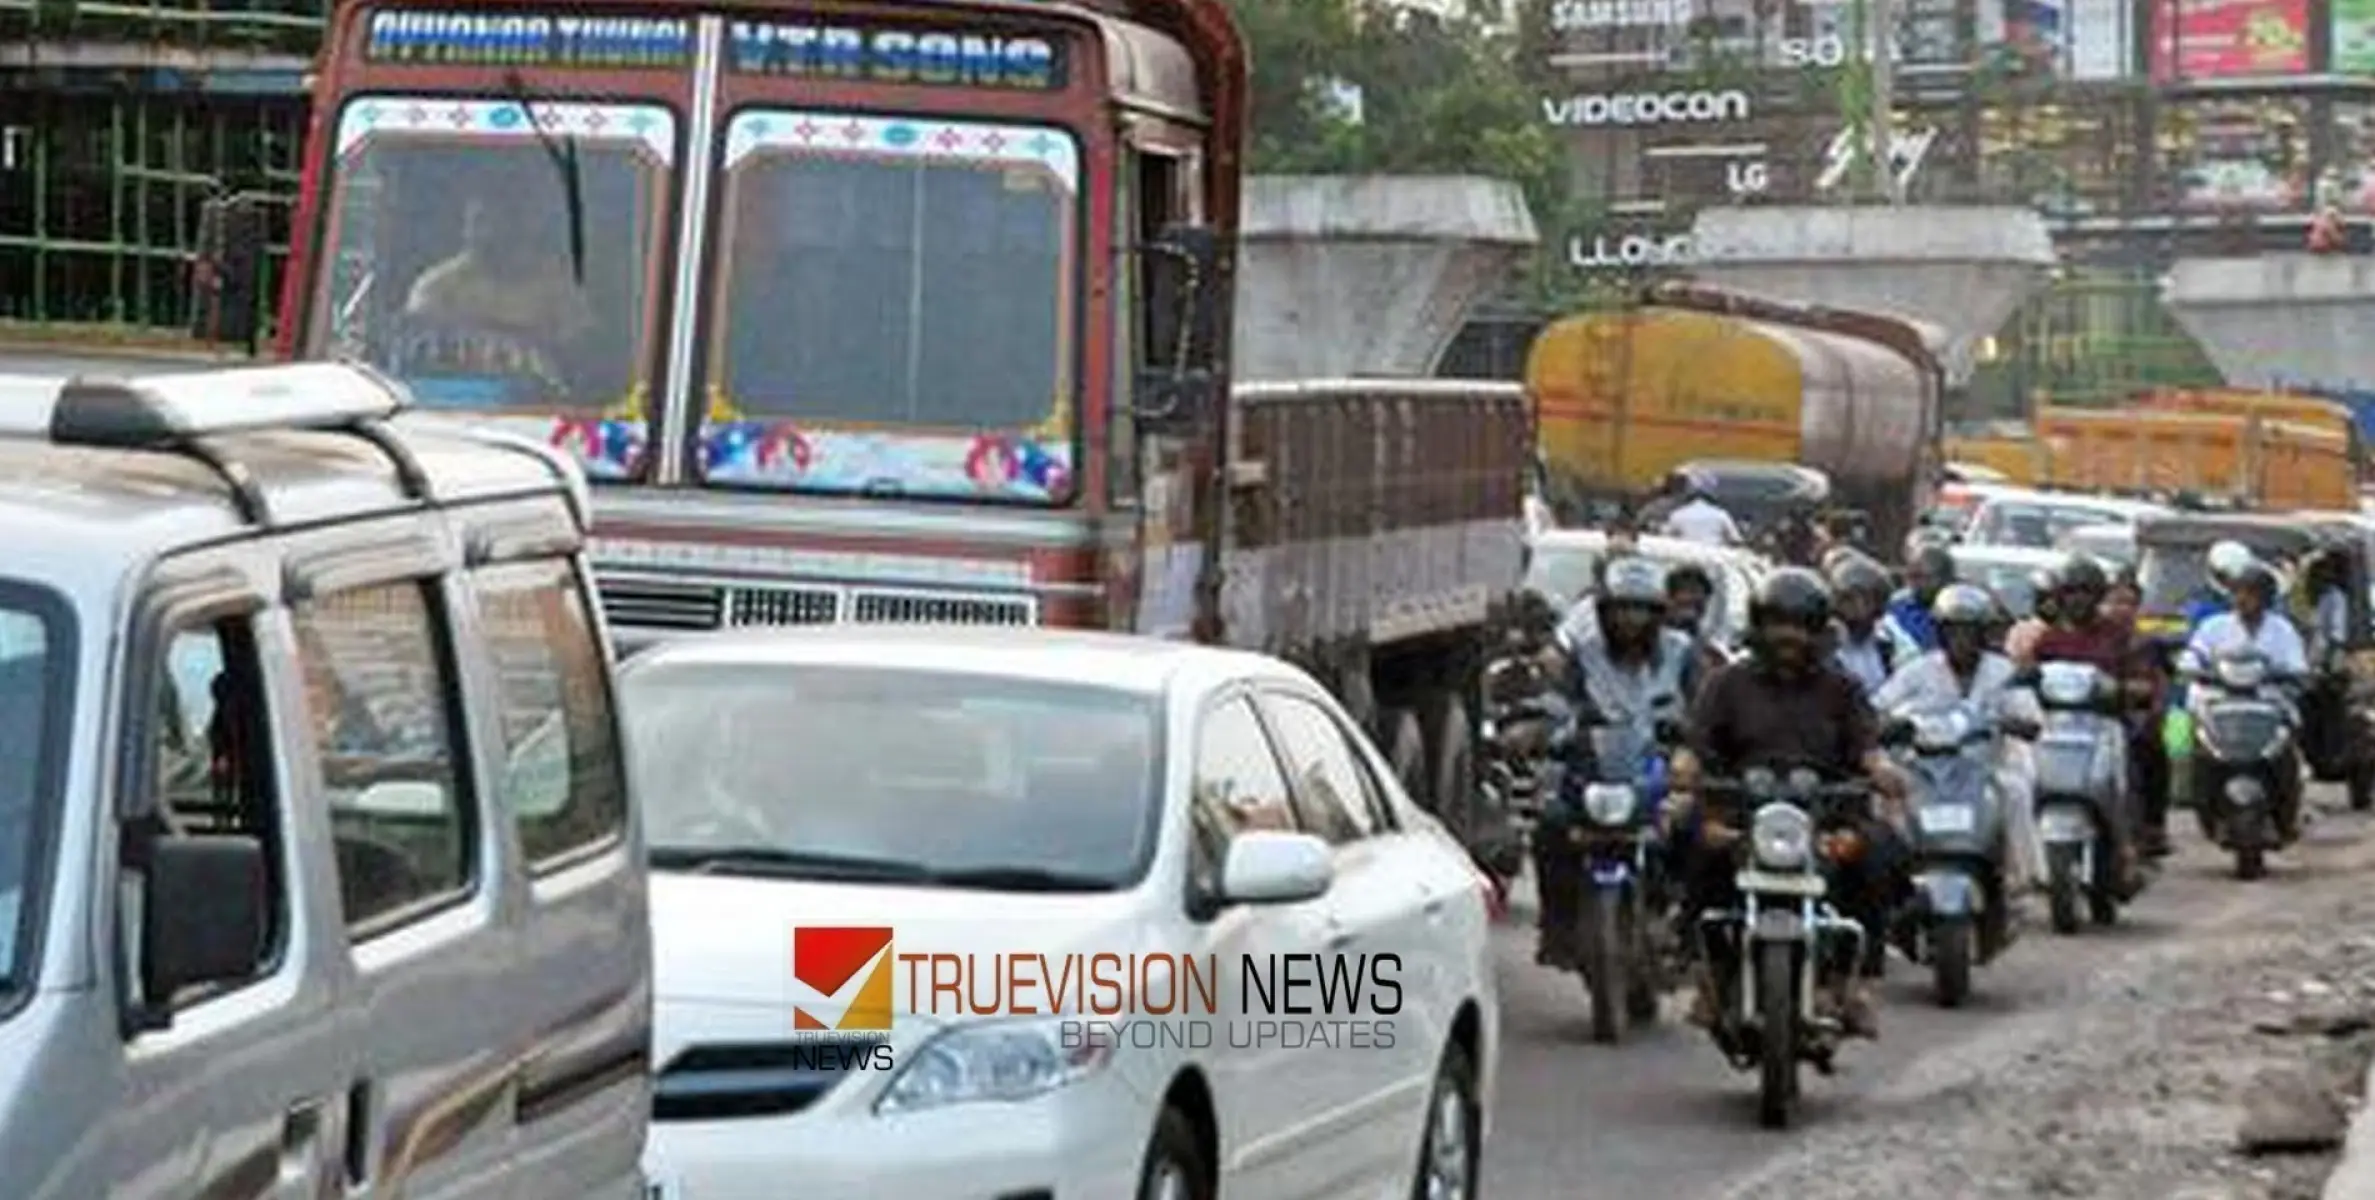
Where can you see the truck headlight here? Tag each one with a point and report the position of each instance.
(1609, 803)
(1782, 836)
(993, 1061)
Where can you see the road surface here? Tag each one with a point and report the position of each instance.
(1661, 1117)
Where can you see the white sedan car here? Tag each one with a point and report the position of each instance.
(992, 914)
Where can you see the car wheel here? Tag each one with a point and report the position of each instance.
(1174, 1169)
(1448, 1149)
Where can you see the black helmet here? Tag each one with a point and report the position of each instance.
(1689, 573)
(1794, 595)
(2080, 573)
(1860, 574)
(1963, 604)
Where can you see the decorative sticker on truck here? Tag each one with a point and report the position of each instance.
(897, 305)
(449, 39)
(903, 55)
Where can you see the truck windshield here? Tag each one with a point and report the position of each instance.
(893, 307)
(447, 261)
(36, 677)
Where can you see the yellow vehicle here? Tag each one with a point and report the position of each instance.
(2018, 456)
(1623, 398)
(2315, 411)
(2270, 462)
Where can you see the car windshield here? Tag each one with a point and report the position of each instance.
(2036, 526)
(1563, 574)
(895, 300)
(447, 261)
(918, 777)
(35, 676)
(2171, 575)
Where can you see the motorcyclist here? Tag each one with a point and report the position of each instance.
(1690, 591)
(2081, 633)
(1966, 672)
(1927, 571)
(2255, 624)
(1619, 672)
(2210, 597)
(1861, 589)
(2148, 752)
(1782, 708)
(2020, 643)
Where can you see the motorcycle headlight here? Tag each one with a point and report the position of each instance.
(2243, 672)
(1609, 803)
(2069, 685)
(2245, 790)
(993, 1061)
(1782, 835)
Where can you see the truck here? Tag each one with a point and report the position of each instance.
(1694, 372)
(2329, 416)
(911, 312)
(2215, 450)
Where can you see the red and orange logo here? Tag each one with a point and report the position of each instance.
(850, 967)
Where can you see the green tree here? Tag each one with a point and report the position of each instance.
(1434, 96)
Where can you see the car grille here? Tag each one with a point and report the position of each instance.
(726, 1082)
(690, 606)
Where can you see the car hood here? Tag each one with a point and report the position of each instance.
(723, 962)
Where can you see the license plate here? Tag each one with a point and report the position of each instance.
(1790, 885)
(2064, 825)
(1954, 819)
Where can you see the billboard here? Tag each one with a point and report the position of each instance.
(2228, 39)
(2354, 36)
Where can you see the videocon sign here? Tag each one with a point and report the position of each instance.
(1591, 109)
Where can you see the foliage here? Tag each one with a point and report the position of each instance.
(1436, 96)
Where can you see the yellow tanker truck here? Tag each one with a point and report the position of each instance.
(1695, 372)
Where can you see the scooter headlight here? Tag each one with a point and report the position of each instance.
(2244, 790)
(2243, 672)
(1609, 803)
(1781, 834)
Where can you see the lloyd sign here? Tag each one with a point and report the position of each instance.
(1632, 251)
(1646, 108)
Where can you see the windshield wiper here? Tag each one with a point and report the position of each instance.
(1022, 879)
(563, 152)
(767, 860)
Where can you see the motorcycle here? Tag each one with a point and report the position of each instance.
(1793, 943)
(1613, 786)
(1958, 916)
(1513, 740)
(2244, 741)
(2082, 787)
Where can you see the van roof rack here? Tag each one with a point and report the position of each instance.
(177, 413)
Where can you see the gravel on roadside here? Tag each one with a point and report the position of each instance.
(2221, 1063)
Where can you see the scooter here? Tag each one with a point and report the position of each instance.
(1959, 916)
(1793, 944)
(1613, 788)
(2245, 726)
(2082, 788)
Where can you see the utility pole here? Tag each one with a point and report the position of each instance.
(1866, 90)
(1883, 119)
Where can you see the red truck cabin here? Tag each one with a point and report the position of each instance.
(837, 304)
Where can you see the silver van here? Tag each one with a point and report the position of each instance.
(318, 875)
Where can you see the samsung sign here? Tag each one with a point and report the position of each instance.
(1647, 108)
(1567, 16)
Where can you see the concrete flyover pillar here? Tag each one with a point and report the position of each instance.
(1343, 275)
(2300, 320)
(1963, 269)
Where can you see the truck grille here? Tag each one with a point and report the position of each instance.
(690, 606)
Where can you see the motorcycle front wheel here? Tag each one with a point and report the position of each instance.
(1777, 1011)
(2062, 886)
(1602, 957)
(1950, 958)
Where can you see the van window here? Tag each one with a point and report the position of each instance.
(36, 707)
(561, 774)
(379, 691)
(210, 764)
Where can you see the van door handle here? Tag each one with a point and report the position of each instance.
(300, 1140)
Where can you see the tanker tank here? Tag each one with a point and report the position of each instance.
(1695, 372)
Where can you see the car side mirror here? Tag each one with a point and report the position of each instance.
(227, 272)
(1272, 867)
(203, 915)
(1181, 287)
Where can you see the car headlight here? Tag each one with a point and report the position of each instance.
(1609, 803)
(993, 1061)
(1782, 835)
(2245, 790)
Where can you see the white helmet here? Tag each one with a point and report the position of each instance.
(2228, 559)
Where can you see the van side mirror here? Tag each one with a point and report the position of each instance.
(1181, 288)
(203, 916)
(227, 273)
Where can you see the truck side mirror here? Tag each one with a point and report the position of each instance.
(1181, 289)
(227, 273)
